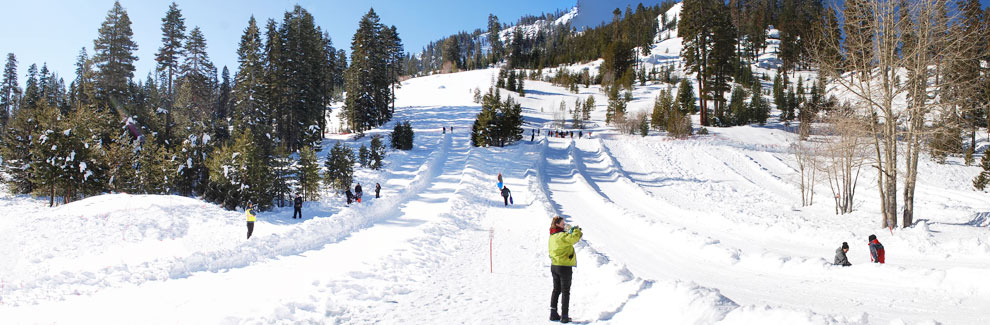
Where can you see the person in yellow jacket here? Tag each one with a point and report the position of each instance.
(250, 219)
(562, 260)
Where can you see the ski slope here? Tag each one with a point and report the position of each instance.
(701, 230)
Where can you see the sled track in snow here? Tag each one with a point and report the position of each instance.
(310, 235)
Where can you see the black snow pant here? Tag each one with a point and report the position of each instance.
(250, 225)
(297, 211)
(506, 199)
(376, 194)
(561, 286)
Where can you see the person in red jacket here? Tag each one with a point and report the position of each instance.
(876, 250)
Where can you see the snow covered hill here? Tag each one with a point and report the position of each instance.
(702, 230)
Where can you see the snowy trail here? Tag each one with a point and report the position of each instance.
(236, 290)
(747, 272)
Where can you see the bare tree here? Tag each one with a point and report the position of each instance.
(808, 158)
(844, 153)
(887, 40)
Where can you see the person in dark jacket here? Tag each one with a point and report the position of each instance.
(506, 194)
(298, 206)
(562, 263)
(357, 192)
(350, 196)
(378, 189)
(840, 255)
(876, 250)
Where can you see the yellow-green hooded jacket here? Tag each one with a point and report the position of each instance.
(562, 246)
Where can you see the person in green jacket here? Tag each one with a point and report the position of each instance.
(562, 260)
(250, 219)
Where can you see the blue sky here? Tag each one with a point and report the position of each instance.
(39, 31)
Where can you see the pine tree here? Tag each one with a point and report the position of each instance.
(339, 168)
(114, 56)
(249, 92)
(83, 89)
(32, 93)
(46, 158)
(221, 116)
(758, 107)
(589, 106)
(981, 180)
(644, 125)
(402, 136)
(519, 85)
(494, 40)
(662, 107)
(363, 156)
(708, 47)
(17, 136)
(122, 164)
(779, 94)
(235, 174)
(172, 49)
(576, 115)
(511, 81)
(368, 79)
(308, 174)
(499, 123)
(9, 90)
(685, 98)
(451, 54)
(740, 114)
(376, 152)
(616, 106)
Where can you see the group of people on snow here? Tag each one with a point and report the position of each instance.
(297, 204)
(876, 252)
(562, 259)
(504, 190)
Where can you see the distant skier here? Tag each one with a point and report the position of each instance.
(580, 134)
(506, 195)
(876, 250)
(250, 219)
(378, 189)
(499, 184)
(562, 260)
(840, 255)
(358, 193)
(350, 196)
(298, 206)
(444, 130)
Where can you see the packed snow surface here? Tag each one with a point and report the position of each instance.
(706, 229)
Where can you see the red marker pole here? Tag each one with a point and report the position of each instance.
(491, 261)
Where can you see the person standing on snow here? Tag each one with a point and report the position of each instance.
(378, 189)
(562, 261)
(297, 206)
(506, 194)
(876, 250)
(840, 255)
(357, 192)
(250, 219)
(350, 196)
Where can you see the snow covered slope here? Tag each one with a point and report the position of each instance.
(703, 230)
